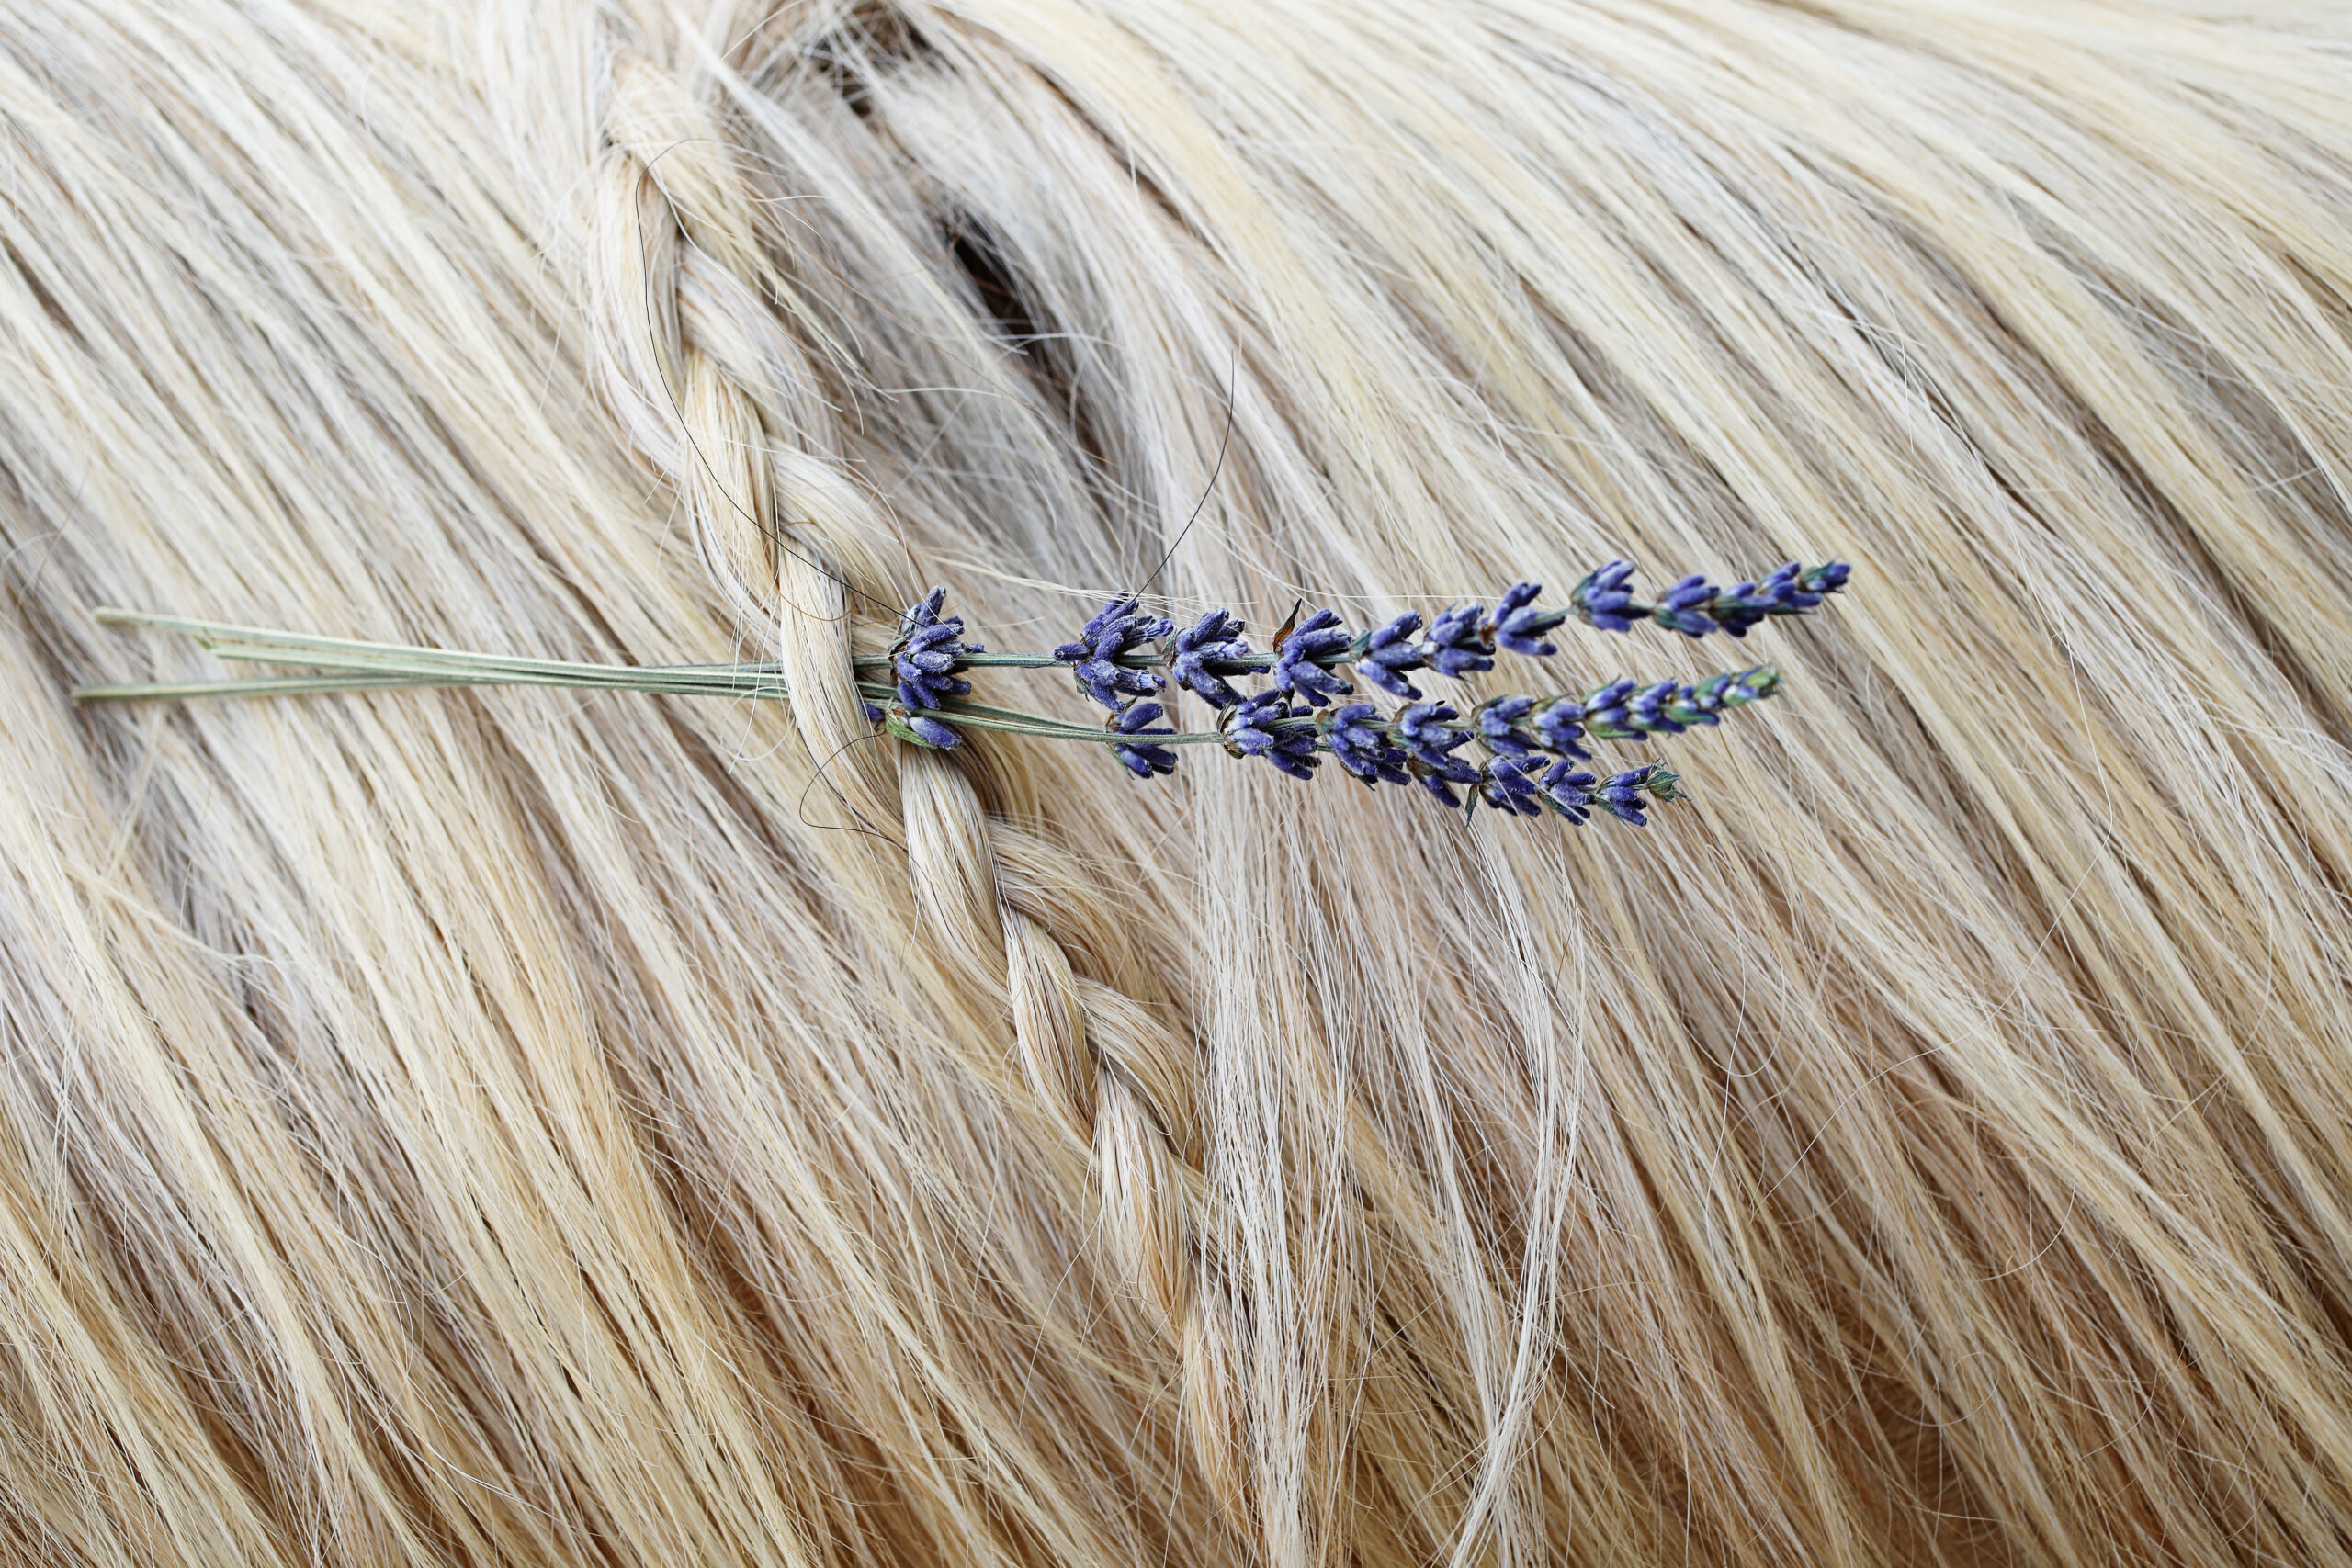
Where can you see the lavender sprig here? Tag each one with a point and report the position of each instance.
(1458, 643)
(1518, 626)
(1693, 606)
(1504, 785)
(1528, 748)
(1575, 795)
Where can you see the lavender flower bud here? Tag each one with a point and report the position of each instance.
(1383, 657)
(1319, 637)
(912, 725)
(1740, 607)
(1561, 727)
(1250, 730)
(1518, 625)
(1605, 709)
(931, 732)
(1503, 785)
(1651, 710)
(1568, 791)
(1215, 637)
(1457, 644)
(1116, 627)
(1621, 795)
(1143, 759)
(1682, 607)
(1605, 596)
(1426, 728)
(928, 652)
(1499, 723)
(1361, 747)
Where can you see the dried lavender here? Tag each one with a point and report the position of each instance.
(1142, 758)
(1116, 629)
(1301, 657)
(1503, 785)
(1212, 643)
(1693, 606)
(928, 653)
(1258, 728)
(1498, 726)
(1519, 626)
(1459, 644)
(1386, 656)
(1514, 753)
(1359, 743)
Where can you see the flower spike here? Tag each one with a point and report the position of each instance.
(1694, 606)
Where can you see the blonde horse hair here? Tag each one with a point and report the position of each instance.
(520, 1127)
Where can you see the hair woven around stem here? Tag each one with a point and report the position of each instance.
(685, 310)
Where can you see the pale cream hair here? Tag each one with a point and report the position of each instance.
(526, 1127)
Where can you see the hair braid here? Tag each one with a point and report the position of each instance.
(693, 317)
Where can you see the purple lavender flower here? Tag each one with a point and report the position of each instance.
(1354, 737)
(1214, 637)
(1605, 710)
(1503, 785)
(1457, 644)
(1683, 607)
(1143, 758)
(1694, 606)
(931, 732)
(1383, 657)
(1499, 722)
(1620, 712)
(1651, 711)
(1605, 597)
(1518, 625)
(909, 724)
(1253, 729)
(1739, 608)
(1430, 741)
(1426, 729)
(928, 652)
(1568, 791)
(1560, 726)
(1118, 626)
(1621, 795)
(1319, 637)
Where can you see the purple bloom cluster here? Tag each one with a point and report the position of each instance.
(923, 661)
(1116, 630)
(1257, 728)
(1694, 606)
(1301, 660)
(1529, 750)
(1143, 758)
(1214, 639)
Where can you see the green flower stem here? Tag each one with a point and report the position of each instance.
(373, 666)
